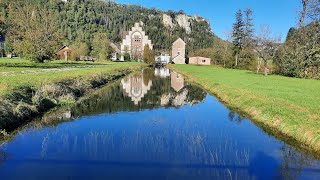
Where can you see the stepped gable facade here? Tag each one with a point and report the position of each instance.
(134, 43)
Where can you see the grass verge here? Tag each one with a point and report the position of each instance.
(30, 95)
(289, 106)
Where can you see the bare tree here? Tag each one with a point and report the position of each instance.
(303, 12)
(228, 39)
(313, 9)
(265, 46)
(310, 9)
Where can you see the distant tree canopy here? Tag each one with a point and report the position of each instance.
(80, 20)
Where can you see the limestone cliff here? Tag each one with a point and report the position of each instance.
(182, 20)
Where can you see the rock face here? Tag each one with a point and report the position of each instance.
(183, 21)
(167, 21)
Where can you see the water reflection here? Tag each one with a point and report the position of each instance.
(177, 81)
(151, 126)
(162, 72)
(135, 87)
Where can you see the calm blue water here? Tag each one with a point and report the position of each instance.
(150, 126)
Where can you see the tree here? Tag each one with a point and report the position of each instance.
(310, 9)
(303, 12)
(249, 30)
(79, 49)
(238, 35)
(2, 24)
(299, 55)
(33, 30)
(266, 47)
(227, 47)
(291, 32)
(7, 47)
(148, 56)
(101, 46)
(313, 11)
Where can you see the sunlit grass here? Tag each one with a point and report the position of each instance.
(290, 105)
(19, 72)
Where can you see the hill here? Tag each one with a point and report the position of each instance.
(81, 19)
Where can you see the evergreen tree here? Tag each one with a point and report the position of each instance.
(249, 29)
(238, 35)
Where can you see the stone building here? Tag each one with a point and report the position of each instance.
(134, 43)
(200, 60)
(179, 52)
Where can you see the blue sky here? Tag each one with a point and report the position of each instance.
(280, 15)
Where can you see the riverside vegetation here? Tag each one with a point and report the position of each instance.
(30, 89)
(287, 105)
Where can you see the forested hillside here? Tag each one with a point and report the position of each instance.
(79, 20)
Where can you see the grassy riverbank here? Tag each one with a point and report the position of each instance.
(290, 106)
(19, 72)
(31, 89)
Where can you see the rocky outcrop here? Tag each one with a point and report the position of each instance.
(183, 21)
(167, 21)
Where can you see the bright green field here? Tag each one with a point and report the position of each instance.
(18, 72)
(291, 106)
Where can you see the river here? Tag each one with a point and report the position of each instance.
(150, 125)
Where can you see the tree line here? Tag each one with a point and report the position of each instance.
(35, 29)
(247, 48)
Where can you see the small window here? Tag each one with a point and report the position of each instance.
(203, 60)
(137, 38)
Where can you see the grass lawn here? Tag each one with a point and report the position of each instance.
(19, 72)
(291, 106)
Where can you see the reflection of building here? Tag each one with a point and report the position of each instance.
(162, 72)
(199, 60)
(134, 43)
(177, 81)
(179, 52)
(64, 52)
(135, 87)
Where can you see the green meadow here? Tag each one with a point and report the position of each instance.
(19, 72)
(290, 106)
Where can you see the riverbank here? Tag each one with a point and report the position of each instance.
(290, 106)
(31, 89)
